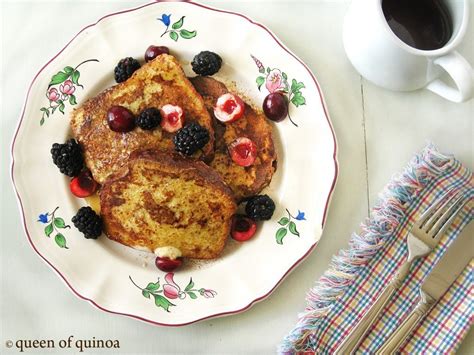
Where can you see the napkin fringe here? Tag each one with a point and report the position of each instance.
(345, 266)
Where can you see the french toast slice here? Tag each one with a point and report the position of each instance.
(158, 199)
(158, 82)
(243, 181)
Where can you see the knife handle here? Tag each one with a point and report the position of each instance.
(353, 340)
(401, 334)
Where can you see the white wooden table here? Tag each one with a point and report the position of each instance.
(377, 130)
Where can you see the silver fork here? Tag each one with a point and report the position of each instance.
(422, 238)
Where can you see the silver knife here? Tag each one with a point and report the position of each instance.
(443, 275)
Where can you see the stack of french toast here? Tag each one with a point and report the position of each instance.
(154, 192)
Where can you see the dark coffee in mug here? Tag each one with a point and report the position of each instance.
(422, 24)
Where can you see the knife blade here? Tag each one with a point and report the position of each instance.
(440, 279)
(452, 263)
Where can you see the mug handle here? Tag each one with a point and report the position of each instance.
(460, 71)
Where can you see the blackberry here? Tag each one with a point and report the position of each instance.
(206, 63)
(68, 157)
(190, 138)
(88, 222)
(260, 207)
(125, 68)
(148, 118)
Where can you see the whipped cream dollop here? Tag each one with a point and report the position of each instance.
(168, 252)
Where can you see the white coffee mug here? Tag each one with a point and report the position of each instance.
(384, 59)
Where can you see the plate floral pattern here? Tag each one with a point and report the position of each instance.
(170, 290)
(176, 31)
(276, 80)
(61, 90)
(54, 226)
(72, 76)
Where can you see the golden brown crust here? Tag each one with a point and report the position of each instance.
(158, 82)
(158, 199)
(243, 181)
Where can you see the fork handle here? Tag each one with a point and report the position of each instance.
(408, 325)
(353, 340)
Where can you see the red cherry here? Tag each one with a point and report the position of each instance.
(167, 264)
(172, 118)
(229, 107)
(83, 185)
(243, 151)
(243, 228)
(120, 119)
(275, 106)
(154, 51)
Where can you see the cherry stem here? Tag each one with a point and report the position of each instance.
(289, 117)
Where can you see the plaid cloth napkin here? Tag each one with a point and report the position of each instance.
(358, 275)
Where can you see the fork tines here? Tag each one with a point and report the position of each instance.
(439, 216)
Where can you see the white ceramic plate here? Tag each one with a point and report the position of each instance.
(118, 279)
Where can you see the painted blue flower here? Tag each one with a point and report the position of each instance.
(43, 218)
(300, 216)
(165, 19)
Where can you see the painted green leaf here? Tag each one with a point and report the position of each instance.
(298, 99)
(58, 78)
(280, 234)
(153, 286)
(61, 107)
(42, 121)
(174, 36)
(192, 295)
(190, 285)
(68, 70)
(283, 74)
(45, 110)
(260, 80)
(48, 229)
(296, 86)
(162, 302)
(293, 84)
(54, 109)
(75, 77)
(178, 24)
(283, 221)
(60, 240)
(292, 228)
(145, 293)
(187, 34)
(72, 100)
(268, 69)
(59, 222)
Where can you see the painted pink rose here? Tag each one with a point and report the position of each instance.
(67, 87)
(274, 81)
(209, 293)
(53, 94)
(171, 290)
